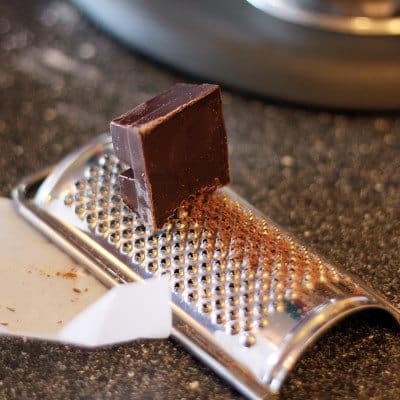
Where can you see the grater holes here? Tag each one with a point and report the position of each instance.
(127, 220)
(248, 340)
(80, 185)
(192, 269)
(126, 247)
(204, 254)
(114, 238)
(205, 279)
(140, 230)
(248, 325)
(164, 239)
(152, 240)
(262, 310)
(204, 243)
(101, 215)
(179, 259)
(127, 212)
(104, 179)
(115, 198)
(104, 190)
(165, 262)
(128, 234)
(152, 267)
(152, 253)
(79, 197)
(103, 203)
(206, 307)
(178, 248)
(220, 318)
(233, 300)
(115, 224)
(233, 287)
(234, 314)
(92, 171)
(115, 212)
(262, 322)
(116, 190)
(179, 272)
(248, 311)
(91, 219)
(219, 290)
(191, 245)
(233, 328)
(179, 286)
(90, 205)
(104, 170)
(192, 234)
(192, 282)
(91, 182)
(220, 303)
(106, 160)
(102, 227)
(219, 276)
(139, 243)
(205, 267)
(205, 292)
(191, 256)
(139, 257)
(116, 168)
(164, 250)
(193, 296)
(80, 210)
(68, 199)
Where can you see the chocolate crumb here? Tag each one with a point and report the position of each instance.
(10, 309)
(59, 322)
(4, 323)
(71, 274)
(248, 239)
(77, 290)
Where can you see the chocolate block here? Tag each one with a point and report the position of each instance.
(176, 147)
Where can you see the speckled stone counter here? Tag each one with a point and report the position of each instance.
(330, 178)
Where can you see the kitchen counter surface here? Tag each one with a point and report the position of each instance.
(330, 178)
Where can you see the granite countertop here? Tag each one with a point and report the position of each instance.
(332, 179)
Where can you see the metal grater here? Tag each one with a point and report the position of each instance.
(247, 298)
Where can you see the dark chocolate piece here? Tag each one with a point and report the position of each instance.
(128, 190)
(175, 145)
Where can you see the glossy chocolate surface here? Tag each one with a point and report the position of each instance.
(176, 146)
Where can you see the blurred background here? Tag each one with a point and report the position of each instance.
(312, 113)
(333, 53)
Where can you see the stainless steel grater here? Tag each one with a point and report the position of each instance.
(247, 298)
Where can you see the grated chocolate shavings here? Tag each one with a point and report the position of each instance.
(71, 274)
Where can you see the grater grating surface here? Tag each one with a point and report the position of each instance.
(247, 297)
(222, 260)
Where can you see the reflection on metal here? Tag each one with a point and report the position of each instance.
(360, 17)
